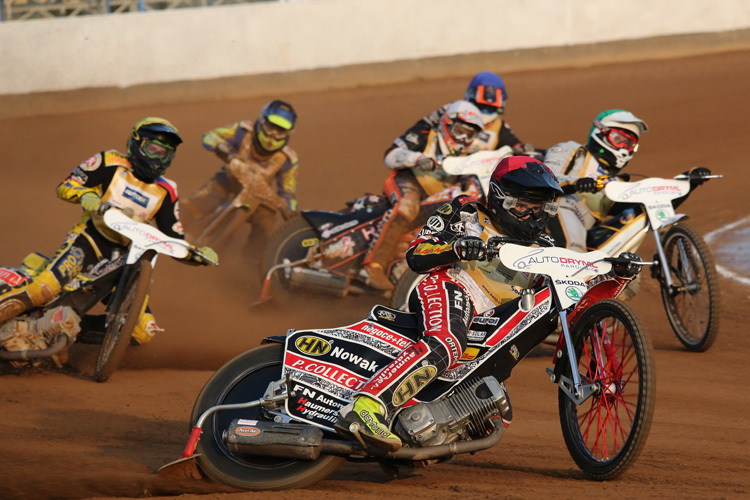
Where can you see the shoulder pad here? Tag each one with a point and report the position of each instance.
(246, 124)
(115, 158)
(170, 186)
(290, 153)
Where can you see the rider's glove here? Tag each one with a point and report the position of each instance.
(90, 202)
(207, 256)
(470, 248)
(622, 177)
(586, 185)
(697, 175)
(426, 163)
(627, 270)
(224, 151)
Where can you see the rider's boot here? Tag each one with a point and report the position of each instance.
(384, 251)
(31, 293)
(145, 329)
(365, 419)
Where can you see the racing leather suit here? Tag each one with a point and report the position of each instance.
(445, 301)
(278, 167)
(577, 212)
(108, 174)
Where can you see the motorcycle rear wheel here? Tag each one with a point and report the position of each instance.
(125, 315)
(243, 379)
(692, 305)
(290, 243)
(403, 288)
(607, 432)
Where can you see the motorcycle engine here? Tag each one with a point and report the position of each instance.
(462, 415)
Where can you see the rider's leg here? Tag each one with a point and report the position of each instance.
(402, 187)
(445, 311)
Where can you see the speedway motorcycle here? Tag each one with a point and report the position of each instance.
(122, 283)
(683, 264)
(255, 198)
(265, 420)
(322, 251)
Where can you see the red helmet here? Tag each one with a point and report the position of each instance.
(522, 196)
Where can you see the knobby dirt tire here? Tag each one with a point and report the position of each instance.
(607, 432)
(291, 242)
(245, 378)
(693, 309)
(126, 315)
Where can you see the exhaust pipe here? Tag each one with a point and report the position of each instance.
(305, 442)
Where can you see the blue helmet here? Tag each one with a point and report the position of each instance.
(487, 92)
(274, 125)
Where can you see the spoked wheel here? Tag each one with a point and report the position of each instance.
(123, 316)
(290, 243)
(692, 304)
(243, 379)
(605, 434)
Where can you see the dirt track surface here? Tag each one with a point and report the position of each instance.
(64, 436)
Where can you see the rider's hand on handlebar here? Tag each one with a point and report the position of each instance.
(90, 202)
(205, 256)
(696, 176)
(224, 151)
(586, 185)
(628, 270)
(426, 163)
(470, 248)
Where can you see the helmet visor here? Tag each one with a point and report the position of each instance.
(155, 149)
(522, 208)
(621, 139)
(489, 96)
(463, 132)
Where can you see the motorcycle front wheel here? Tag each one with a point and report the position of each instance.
(606, 433)
(692, 304)
(123, 316)
(243, 379)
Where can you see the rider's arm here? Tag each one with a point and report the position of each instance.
(433, 247)
(286, 179)
(506, 137)
(88, 177)
(408, 148)
(166, 217)
(226, 139)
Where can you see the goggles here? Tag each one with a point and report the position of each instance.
(274, 131)
(521, 208)
(463, 132)
(621, 139)
(489, 96)
(157, 150)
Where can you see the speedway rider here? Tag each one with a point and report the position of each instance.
(417, 175)
(460, 283)
(131, 181)
(262, 143)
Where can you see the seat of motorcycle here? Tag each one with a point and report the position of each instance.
(330, 224)
(404, 322)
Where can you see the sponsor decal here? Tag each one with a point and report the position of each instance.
(334, 373)
(330, 231)
(340, 249)
(428, 249)
(570, 282)
(11, 277)
(573, 293)
(514, 352)
(457, 227)
(92, 163)
(391, 338)
(484, 320)
(314, 346)
(246, 431)
(534, 258)
(469, 354)
(136, 197)
(475, 336)
(413, 384)
(244, 421)
(638, 189)
(386, 315)
(445, 209)
(361, 361)
(72, 263)
(310, 242)
(435, 223)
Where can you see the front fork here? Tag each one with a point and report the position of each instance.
(666, 275)
(575, 389)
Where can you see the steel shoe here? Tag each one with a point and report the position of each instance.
(363, 419)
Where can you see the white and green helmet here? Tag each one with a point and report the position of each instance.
(613, 138)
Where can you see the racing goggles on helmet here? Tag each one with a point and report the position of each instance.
(522, 208)
(155, 149)
(621, 139)
(463, 132)
(488, 97)
(274, 131)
